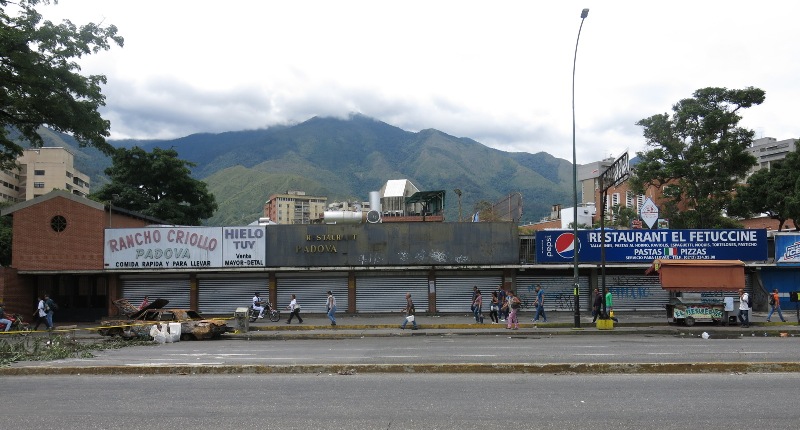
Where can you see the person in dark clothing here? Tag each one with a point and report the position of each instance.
(597, 305)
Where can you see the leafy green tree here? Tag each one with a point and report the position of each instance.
(40, 83)
(697, 155)
(158, 184)
(774, 191)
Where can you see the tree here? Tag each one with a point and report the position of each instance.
(39, 80)
(774, 191)
(697, 155)
(158, 184)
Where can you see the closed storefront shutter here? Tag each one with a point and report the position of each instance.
(174, 288)
(636, 292)
(454, 291)
(222, 294)
(558, 292)
(312, 291)
(386, 291)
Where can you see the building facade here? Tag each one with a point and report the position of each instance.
(294, 207)
(42, 170)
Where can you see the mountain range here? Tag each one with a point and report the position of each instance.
(345, 159)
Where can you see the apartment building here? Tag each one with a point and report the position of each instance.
(768, 150)
(40, 171)
(295, 207)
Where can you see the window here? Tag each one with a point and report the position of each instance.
(38, 172)
(69, 174)
(58, 223)
(38, 185)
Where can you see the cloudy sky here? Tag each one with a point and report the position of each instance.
(499, 72)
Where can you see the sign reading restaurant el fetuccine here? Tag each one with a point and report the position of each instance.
(161, 248)
(641, 246)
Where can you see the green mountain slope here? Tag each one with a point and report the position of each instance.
(345, 159)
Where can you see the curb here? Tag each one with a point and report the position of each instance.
(454, 368)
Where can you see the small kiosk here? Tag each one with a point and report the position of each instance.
(697, 288)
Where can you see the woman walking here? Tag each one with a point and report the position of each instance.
(512, 304)
(294, 310)
(477, 306)
(494, 308)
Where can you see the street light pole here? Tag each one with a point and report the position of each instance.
(575, 243)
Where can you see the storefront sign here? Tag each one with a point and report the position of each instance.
(162, 248)
(787, 249)
(642, 246)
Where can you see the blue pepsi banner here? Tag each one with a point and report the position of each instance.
(643, 246)
(787, 249)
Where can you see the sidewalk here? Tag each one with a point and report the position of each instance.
(318, 326)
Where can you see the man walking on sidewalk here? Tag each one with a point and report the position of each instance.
(331, 305)
(410, 311)
(540, 304)
(744, 309)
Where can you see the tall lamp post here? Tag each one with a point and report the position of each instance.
(575, 243)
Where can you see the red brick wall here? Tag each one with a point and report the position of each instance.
(36, 246)
(17, 293)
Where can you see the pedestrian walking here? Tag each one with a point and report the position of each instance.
(40, 314)
(597, 305)
(744, 309)
(540, 305)
(330, 304)
(513, 304)
(477, 306)
(49, 308)
(410, 312)
(294, 310)
(494, 308)
(472, 302)
(775, 305)
(610, 306)
(501, 299)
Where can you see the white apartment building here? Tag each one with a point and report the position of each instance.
(767, 150)
(40, 171)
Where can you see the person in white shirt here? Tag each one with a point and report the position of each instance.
(331, 305)
(294, 309)
(744, 309)
(258, 305)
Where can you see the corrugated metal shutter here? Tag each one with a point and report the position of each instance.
(312, 291)
(222, 294)
(174, 288)
(454, 292)
(636, 292)
(558, 294)
(386, 292)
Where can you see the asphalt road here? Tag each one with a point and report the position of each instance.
(449, 349)
(402, 401)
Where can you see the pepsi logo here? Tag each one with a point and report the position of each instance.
(566, 244)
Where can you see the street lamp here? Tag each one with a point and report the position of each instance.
(458, 193)
(575, 246)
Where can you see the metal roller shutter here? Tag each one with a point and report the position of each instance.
(312, 291)
(558, 294)
(222, 294)
(636, 292)
(454, 292)
(386, 292)
(174, 288)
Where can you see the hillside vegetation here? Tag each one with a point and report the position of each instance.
(345, 160)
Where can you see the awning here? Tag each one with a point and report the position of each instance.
(699, 275)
